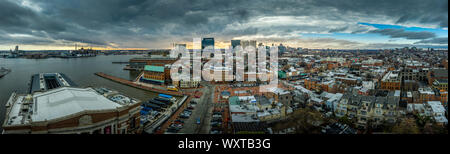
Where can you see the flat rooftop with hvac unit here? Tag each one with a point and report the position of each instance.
(54, 106)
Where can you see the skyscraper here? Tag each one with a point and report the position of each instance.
(207, 42)
(281, 49)
(253, 43)
(17, 49)
(247, 43)
(235, 43)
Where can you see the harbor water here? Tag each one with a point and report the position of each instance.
(80, 70)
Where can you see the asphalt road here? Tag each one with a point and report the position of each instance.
(203, 109)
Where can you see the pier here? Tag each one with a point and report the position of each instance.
(165, 121)
(135, 85)
(120, 62)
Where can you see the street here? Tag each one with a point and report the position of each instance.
(202, 110)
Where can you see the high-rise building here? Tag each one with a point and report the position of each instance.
(253, 43)
(281, 49)
(235, 43)
(180, 45)
(17, 49)
(247, 43)
(207, 42)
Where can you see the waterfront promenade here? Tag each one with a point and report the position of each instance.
(133, 84)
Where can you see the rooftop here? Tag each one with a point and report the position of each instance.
(60, 103)
(436, 106)
(152, 68)
(439, 73)
(390, 76)
(243, 118)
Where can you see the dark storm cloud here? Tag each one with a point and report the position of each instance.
(440, 40)
(400, 33)
(14, 15)
(338, 30)
(429, 11)
(101, 22)
(4, 38)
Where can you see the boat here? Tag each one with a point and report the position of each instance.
(4, 71)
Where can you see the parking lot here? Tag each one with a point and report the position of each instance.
(204, 115)
(195, 118)
(184, 120)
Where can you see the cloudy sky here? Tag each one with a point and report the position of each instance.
(338, 24)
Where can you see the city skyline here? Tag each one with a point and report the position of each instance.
(140, 24)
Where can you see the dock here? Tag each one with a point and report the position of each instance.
(133, 84)
(4, 71)
(119, 62)
(164, 121)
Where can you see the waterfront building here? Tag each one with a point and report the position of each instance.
(68, 110)
(154, 75)
(140, 63)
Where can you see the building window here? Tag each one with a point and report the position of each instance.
(107, 130)
(132, 122)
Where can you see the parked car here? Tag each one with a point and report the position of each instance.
(216, 132)
(179, 126)
(217, 119)
(217, 116)
(198, 121)
(187, 113)
(180, 121)
(216, 125)
(184, 116)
